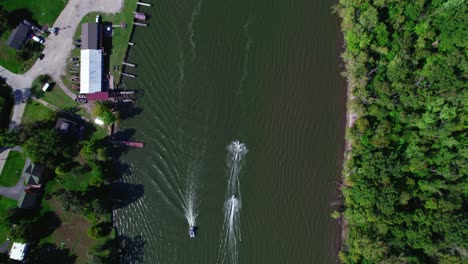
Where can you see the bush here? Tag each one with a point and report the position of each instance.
(100, 230)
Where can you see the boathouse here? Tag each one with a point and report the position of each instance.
(91, 59)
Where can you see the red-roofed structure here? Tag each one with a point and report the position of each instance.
(99, 96)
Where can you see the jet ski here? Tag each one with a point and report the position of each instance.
(191, 231)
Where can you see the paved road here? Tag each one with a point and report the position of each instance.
(56, 51)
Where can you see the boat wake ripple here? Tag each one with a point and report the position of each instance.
(231, 233)
(195, 14)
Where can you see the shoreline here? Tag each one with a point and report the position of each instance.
(351, 118)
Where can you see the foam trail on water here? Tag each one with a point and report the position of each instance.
(231, 234)
(248, 43)
(190, 207)
(195, 13)
(190, 198)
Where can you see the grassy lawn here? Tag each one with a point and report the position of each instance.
(8, 55)
(5, 204)
(120, 37)
(11, 172)
(44, 12)
(37, 112)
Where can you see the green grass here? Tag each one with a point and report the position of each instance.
(37, 112)
(8, 55)
(5, 204)
(120, 38)
(45, 12)
(76, 181)
(58, 98)
(11, 172)
(55, 95)
(101, 132)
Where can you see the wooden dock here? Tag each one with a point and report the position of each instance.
(140, 24)
(128, 75)
(128, 143)
(143, 4)
(129, 64)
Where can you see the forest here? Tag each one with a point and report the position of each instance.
(405, 177)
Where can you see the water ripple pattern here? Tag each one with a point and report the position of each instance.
(231, 231)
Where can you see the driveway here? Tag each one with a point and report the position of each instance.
(56, 51)
(15, 191)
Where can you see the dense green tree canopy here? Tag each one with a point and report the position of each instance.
(405, 193)
(47, 147)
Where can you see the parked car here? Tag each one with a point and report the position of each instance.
(76, 65)
(38, 39)
(78, 41)
(74, 59)
(98, 19)
(55, 30)
(41, 56)
(77, 46)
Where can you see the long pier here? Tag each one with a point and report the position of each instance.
(140, 24)
(143, 4)
(128, 75)
(129, 64)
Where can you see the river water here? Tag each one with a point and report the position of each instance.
(241, 108)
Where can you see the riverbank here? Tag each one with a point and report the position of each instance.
(402, 183)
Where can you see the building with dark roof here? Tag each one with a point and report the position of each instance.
(33, 178)
(19, 35)
(68, 127)
(90, 36)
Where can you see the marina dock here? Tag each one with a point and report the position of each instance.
(128, 143)
(143, 4)
(129, 64)
(140, 24)
(128, 75)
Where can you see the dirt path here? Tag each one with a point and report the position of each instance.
(56, 51)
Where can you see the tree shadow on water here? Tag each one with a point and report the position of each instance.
(128, 110)
(130, 249)
(124, 194)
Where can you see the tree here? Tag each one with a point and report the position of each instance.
(47, 147)
(8, 138)
(103, 110)
(3, 20)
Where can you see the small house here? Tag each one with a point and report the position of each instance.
(19, 35)
(68, 127)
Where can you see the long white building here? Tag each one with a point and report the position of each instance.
(91, 59)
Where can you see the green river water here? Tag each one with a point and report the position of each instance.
(265, 73)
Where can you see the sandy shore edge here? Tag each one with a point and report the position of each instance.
(351, 118)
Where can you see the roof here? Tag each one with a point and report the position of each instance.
(89, 36)
(19, 35)
(35, 171)
(91, 71)
(17, 251)
(27, 200)
(101, 96)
